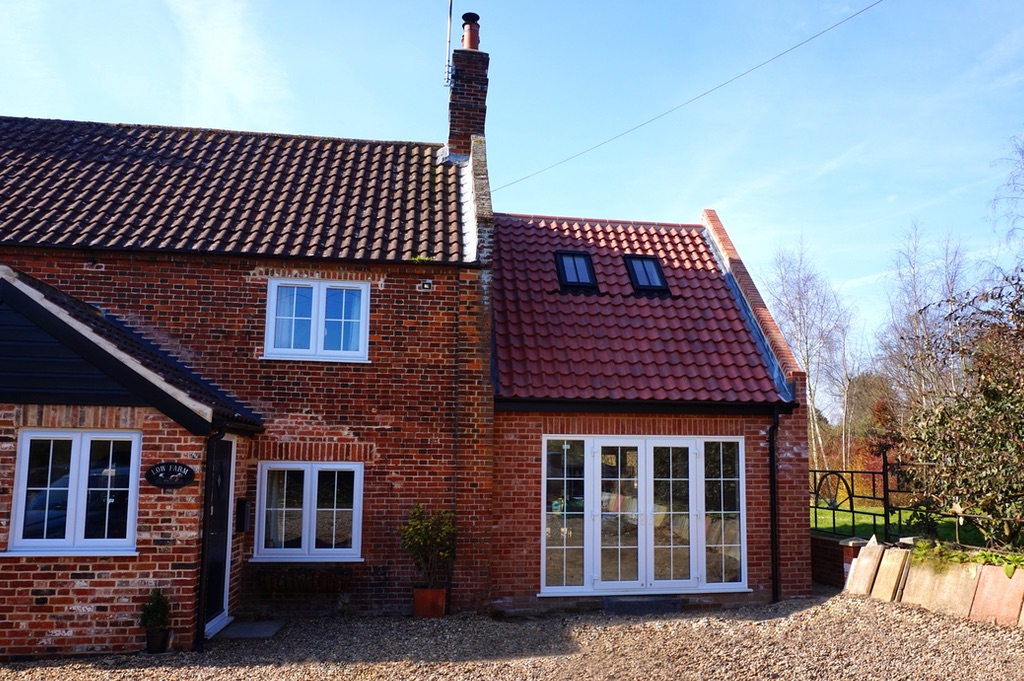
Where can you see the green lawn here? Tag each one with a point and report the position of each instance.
(860, 524)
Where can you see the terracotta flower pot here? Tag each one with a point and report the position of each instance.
(428, 602)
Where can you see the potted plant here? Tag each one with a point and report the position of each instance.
(429, 537)
(156, 620)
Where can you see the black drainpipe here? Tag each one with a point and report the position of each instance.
(204, 578)
(773, 501)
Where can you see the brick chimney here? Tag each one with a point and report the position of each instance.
(467, 106)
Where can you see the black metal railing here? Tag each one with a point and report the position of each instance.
(846, 503)
(889, 503)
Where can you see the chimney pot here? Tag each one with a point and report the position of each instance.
(470, 31)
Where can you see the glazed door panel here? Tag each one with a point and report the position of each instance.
(648, 519)
(620, 536)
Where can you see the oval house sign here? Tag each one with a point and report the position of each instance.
(169, 475)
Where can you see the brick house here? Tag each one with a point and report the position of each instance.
(231, 362)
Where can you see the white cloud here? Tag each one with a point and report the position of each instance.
(230, 79)
(839, 161)
(998, 69)
(1006, 52)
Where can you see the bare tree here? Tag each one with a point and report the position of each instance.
(814, 322)
(1008, 204)
(842, 374)
(917, 345)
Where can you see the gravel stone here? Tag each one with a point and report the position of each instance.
(829, 636)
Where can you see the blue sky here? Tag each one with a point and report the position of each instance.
(899, 115)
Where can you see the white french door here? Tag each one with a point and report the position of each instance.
(646, 521)
(638, 514)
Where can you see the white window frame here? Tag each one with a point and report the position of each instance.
(317, 332)
(308, 551)
(592, 471)
(74, 541)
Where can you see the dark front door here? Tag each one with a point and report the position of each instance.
(217, 528)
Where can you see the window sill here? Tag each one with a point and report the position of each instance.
(69, 553)
(706, 589)
(305, 559)
(313, 358)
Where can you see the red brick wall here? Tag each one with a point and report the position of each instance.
(417, 415)
(69, 605)
(793, 483)
(518, 460)
(828, 561)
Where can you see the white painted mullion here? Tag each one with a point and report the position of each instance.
(698, 540)
(742, 470)
(364, 321)
(644, 508)
(78, 482)
(592, 502)
(308, 508)
(357, 511)
(319, 321)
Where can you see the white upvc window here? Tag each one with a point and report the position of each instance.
(636, 514)
(309, 511)
(76, 492)
(320, 320)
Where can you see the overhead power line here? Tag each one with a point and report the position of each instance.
(691, 100)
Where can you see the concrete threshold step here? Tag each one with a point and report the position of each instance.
(262, 629)
(642, 605)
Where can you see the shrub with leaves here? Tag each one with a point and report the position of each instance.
(156, 612)
(977, 436)
(429, 537)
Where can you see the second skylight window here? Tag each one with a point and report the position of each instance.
(645, 273)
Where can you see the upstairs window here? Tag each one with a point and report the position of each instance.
(576, 271)
(323, 320)
(645, 273)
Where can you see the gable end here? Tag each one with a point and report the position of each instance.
(36, 368)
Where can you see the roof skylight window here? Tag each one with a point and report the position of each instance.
(575, 271)
(645, 273)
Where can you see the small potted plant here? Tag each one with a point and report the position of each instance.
(156, 620)
(429, 537)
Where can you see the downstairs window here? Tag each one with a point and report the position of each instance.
(76, 491)
(309, 511)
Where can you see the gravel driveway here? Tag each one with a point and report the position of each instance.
(825, 637)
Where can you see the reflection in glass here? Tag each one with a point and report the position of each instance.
(107, 489)
(294, 320)
(46, 498)
(723, 540)
(619, 537)
(671, 513)
(341, 319)
(564, 513)
(283, 520)
(334, 509)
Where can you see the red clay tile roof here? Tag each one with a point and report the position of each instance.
(104, 186)
(693, 346)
